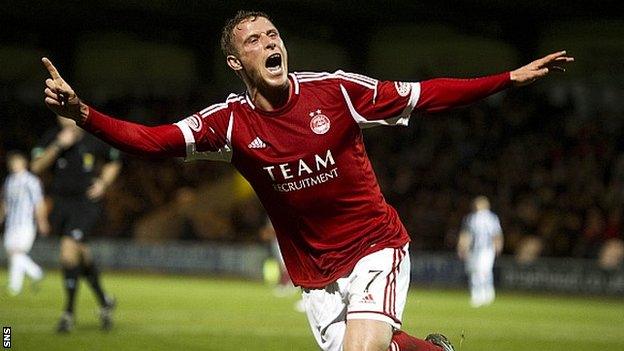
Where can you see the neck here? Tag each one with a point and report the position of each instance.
(270, 99)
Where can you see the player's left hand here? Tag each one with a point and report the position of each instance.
(540, 68)
(96, 190)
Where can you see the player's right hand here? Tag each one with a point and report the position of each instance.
(60, 97)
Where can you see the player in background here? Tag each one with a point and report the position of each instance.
(23, 209)
(297, 139)
(284, 285)
(480, 241)
(79, 183)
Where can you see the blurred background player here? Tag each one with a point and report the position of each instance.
(24, 209)
(79, 183)
(284, 286)
(480, 241)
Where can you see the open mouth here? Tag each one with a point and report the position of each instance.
(274, 63)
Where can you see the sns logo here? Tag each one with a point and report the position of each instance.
(6, 337)
(319, 123)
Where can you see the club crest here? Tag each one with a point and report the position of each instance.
(319, 123)
(403, 88)
(194, 122)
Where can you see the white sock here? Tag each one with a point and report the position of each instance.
(16, 273)
(31, 268)
(475, 290)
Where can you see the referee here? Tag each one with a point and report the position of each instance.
(83, 168)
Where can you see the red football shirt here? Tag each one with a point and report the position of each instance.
(307, 164)
(306, 160)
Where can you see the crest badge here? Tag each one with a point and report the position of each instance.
(319, 123)
(403, 88)
(194, 122)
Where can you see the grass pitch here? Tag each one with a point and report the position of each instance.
(160, 312)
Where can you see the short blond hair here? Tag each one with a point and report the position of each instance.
(227, 34)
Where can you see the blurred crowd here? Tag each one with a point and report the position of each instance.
(552, 165)
(550, 161)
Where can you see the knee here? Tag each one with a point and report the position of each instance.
(69, 258)
(365, 345)
(368, 341)
(14, 258)
(367, 335)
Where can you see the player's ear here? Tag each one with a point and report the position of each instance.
(234, 63)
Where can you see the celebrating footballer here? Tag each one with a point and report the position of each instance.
(296, 137)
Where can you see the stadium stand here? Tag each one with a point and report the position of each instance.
(423, 51)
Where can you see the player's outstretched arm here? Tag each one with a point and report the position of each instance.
(164, 140)
(442, 94)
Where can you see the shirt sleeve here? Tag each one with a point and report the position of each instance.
(35, 190)
(158, 141)
(498, 229)
(208, 134)
(441, 94)
(375, 103)
(372, 102)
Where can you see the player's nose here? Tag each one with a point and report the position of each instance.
(270, 44)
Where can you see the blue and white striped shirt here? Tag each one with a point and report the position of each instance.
(483, 226)
(21, 193)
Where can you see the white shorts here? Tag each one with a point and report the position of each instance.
(480, 261)
(375, 289)
(19, 238)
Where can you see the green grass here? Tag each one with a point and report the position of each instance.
(157, 312)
